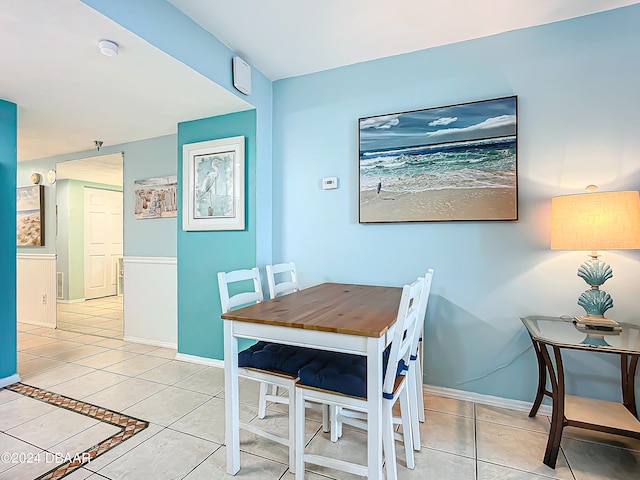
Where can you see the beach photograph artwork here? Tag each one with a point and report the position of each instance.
(156, 197)
(30, 213)
(452, 163)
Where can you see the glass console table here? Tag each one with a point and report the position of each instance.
(549, 336)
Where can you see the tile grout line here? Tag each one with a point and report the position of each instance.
(129, 426)
(475, 439)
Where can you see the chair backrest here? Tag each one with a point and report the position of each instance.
(422, 312)
(229, 300)
(282, 279)
(403, 336)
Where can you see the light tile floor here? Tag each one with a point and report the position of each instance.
(184, 404)
(100, 316)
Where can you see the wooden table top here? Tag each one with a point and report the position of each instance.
(362, 310)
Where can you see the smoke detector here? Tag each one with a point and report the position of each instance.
(108, 48)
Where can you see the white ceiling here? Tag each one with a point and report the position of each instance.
(285, 38)
(106, 169)
(69, 95)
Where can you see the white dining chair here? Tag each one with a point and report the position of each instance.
(414, 385)
(415, 371)
(394, 390)
(282, 279)
(246, 296)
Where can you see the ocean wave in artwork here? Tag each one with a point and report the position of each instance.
(489, 163)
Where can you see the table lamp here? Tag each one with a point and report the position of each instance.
(595, 221)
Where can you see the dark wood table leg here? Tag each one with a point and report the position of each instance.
(628, 367)
(542, 379)
(557, 396)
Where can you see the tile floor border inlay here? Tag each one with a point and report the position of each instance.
(129, 426)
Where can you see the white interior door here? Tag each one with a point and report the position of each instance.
(102, 241)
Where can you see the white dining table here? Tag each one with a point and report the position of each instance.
(355, 319)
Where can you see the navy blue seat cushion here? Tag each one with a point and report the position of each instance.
(275, 357)
(342, 373)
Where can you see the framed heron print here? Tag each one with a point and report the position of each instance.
(213, 185)
(453, 163)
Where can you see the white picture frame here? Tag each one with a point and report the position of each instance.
(213, 196)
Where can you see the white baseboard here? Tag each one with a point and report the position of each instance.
(10, 380)
(75, 300)
(210, 362)
(480, 398)
(485, 399)
(146, 341)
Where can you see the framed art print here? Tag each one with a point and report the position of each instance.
(30, 216)
(213, 185)
(156, 197)
(451, 163)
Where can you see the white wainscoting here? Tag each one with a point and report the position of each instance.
(36, 289)
(151, 300)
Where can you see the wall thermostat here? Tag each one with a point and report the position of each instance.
(241, 76)
(329, 183)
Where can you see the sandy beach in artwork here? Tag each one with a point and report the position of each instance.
(438, 205)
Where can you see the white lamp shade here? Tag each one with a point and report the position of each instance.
(596, 221)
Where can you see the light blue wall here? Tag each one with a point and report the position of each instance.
(576, 83)
(201, 254)
(154, 157)
(8, 156)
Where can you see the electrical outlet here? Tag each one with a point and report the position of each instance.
(44, 299)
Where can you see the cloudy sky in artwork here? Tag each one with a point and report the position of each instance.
(456, 123)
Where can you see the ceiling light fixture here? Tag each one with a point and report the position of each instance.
(108, 48)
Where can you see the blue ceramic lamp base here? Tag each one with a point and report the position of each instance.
(595, 301)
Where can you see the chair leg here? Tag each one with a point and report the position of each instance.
(407, 428)
(419, 379)
(388, 441)
(414, 408)
(262, 401)
(336, 422)
(292, 427)
(326, 420)
(300, 433)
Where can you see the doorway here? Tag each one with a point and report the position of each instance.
(89, 245)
